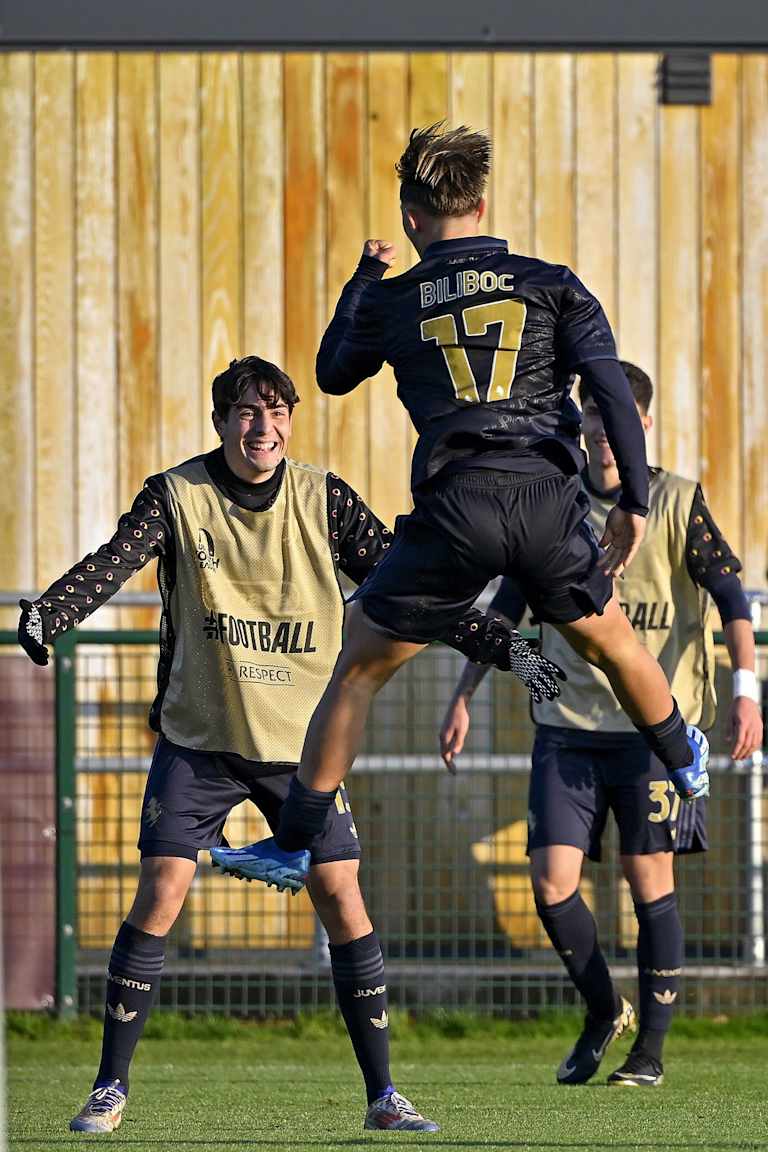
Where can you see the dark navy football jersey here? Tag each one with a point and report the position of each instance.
(484, 345)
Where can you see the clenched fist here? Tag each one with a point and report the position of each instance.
(380, 250)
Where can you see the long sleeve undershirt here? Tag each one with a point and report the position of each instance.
(610, 390)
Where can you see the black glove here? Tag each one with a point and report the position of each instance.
(539, 674)
(31, 632)
(489, 640)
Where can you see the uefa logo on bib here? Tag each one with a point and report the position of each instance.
(206, 551)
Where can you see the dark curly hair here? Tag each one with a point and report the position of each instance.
(271, 383)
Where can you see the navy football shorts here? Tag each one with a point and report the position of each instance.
(574, 784)
(189, 795)
(469, 527)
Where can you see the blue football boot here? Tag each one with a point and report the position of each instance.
(265, 861)
(692, 781)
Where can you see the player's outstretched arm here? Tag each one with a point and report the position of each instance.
(142, 534)
(455, 726)
(31, 634)
(485, 639)
(492, 639)
(351, 348)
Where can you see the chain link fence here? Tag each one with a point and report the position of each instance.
(444, 869)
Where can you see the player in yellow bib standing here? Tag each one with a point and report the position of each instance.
(588, 759)
(250, 546)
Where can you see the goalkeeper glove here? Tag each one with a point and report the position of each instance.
(31, 632)
(489, 640)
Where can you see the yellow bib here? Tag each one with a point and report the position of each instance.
(257, 613)
(669, 613)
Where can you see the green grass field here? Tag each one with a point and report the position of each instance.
(219, 1085)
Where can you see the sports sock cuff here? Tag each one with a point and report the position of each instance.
(561, 907)
(668, 740)
(654, 908)
(302, 816)
(358, 960)
(137, 953)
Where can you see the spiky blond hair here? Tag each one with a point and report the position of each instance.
(445, 170)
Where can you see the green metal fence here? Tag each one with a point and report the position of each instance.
(444, 869)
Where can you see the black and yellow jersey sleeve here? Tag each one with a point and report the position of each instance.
(712, 563)
(143, 533)
(358, 538)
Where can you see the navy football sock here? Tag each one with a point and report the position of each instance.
(659, 962)
(302, 816)
(571, 927)
(669, 740)
(133, 977)
(358, 975)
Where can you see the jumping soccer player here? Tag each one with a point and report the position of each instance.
(484, 345)
(587, 759)
(249, 546)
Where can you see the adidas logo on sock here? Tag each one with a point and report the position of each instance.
(120, 1014)
(380, 1022)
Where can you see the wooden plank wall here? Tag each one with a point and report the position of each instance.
(162, 213)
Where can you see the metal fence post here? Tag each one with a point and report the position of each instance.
(755, 858)
(66, 842)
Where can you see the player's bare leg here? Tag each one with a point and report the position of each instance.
(570, 925)
(650, 877)
(609, 642)
(368, 659)
(133, 976)
(335, 892)
(555, 872)
(164, 882)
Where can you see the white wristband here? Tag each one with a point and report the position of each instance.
(745, 684)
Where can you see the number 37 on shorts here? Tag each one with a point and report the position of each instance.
(666, 801)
